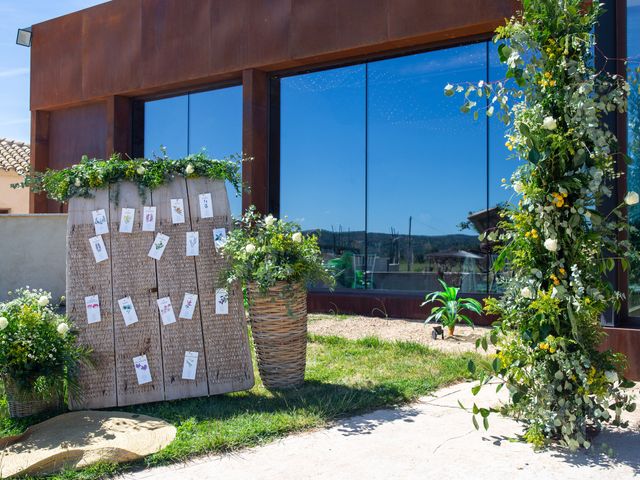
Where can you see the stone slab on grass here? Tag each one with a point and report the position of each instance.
(80, 439)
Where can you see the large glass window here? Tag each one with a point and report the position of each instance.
(633, 170)
(388, 172)
(427, 173)
(191, 123)
(322, 161)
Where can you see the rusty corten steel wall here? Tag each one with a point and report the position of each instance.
(108, 54)
(131, 47)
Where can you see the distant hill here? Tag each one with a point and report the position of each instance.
(384, 244)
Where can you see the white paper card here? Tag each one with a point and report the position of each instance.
(188, 305)
(177, 210)
(128, 311)
(100, 221)
(143, 372)
(222, 301)
(190, 365)
(159, 244)
(98, 248)
(149, 219)
(166, 311)
(206, 207)
(193, 244)
(219, 237)
(92, 304)
(127, 217)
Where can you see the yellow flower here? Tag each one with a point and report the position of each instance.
(552, 350)
(552, 83)
(547, 74)
(562, 271)
(587, 300)
(543, 346)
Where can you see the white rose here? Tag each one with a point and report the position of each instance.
(549, 123)
(3, 323)
(189, 170)
(297, 237)
(43, 301)
(77, 183)
(250, 248)
(526, 293)
(611, 376)
(518, 186)
(631, 198)
(551, 244)
(269, 220)
(140, 170)
(63, 328)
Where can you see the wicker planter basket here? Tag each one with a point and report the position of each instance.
(279, 328)
(24, 404)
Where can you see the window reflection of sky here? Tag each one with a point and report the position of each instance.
(379, 147)
(209, 121)
(422, 152)
(633, 171)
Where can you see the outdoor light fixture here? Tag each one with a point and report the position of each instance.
(24, 37)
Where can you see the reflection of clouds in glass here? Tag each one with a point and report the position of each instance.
(326, 80)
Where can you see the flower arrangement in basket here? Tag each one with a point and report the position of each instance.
(39, 356)
(274, 261)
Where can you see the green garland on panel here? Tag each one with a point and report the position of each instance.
(90, 174)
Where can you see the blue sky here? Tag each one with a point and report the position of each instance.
(14, 59)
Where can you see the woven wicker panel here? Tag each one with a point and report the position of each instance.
(86, 277)
(134, 275)
(176, 276)
(228, 355)
(279, 329)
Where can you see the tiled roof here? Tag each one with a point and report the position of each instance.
(14, 156)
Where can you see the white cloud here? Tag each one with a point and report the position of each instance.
(13, 72)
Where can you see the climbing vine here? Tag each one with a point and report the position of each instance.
(557, 243)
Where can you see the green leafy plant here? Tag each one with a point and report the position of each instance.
(81, 179)
(451, 307)
(558, 241)
(38, 350)
(266, 250)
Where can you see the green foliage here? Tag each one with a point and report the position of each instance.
(343, 377)
(79, 180)
(38, 350)
(451, 307)
(266, 250)
(556, 241)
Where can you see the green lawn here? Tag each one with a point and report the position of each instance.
(343, 377)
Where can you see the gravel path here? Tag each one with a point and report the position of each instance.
(355, 327)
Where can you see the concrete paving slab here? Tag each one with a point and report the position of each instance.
(432, 438)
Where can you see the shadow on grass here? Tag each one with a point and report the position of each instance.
(326, 400)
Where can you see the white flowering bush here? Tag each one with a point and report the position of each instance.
(557, 241)
(266, 250)
(39, 355)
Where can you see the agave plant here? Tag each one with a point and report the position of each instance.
(451, 307)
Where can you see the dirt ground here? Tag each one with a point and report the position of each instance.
(355, 327)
